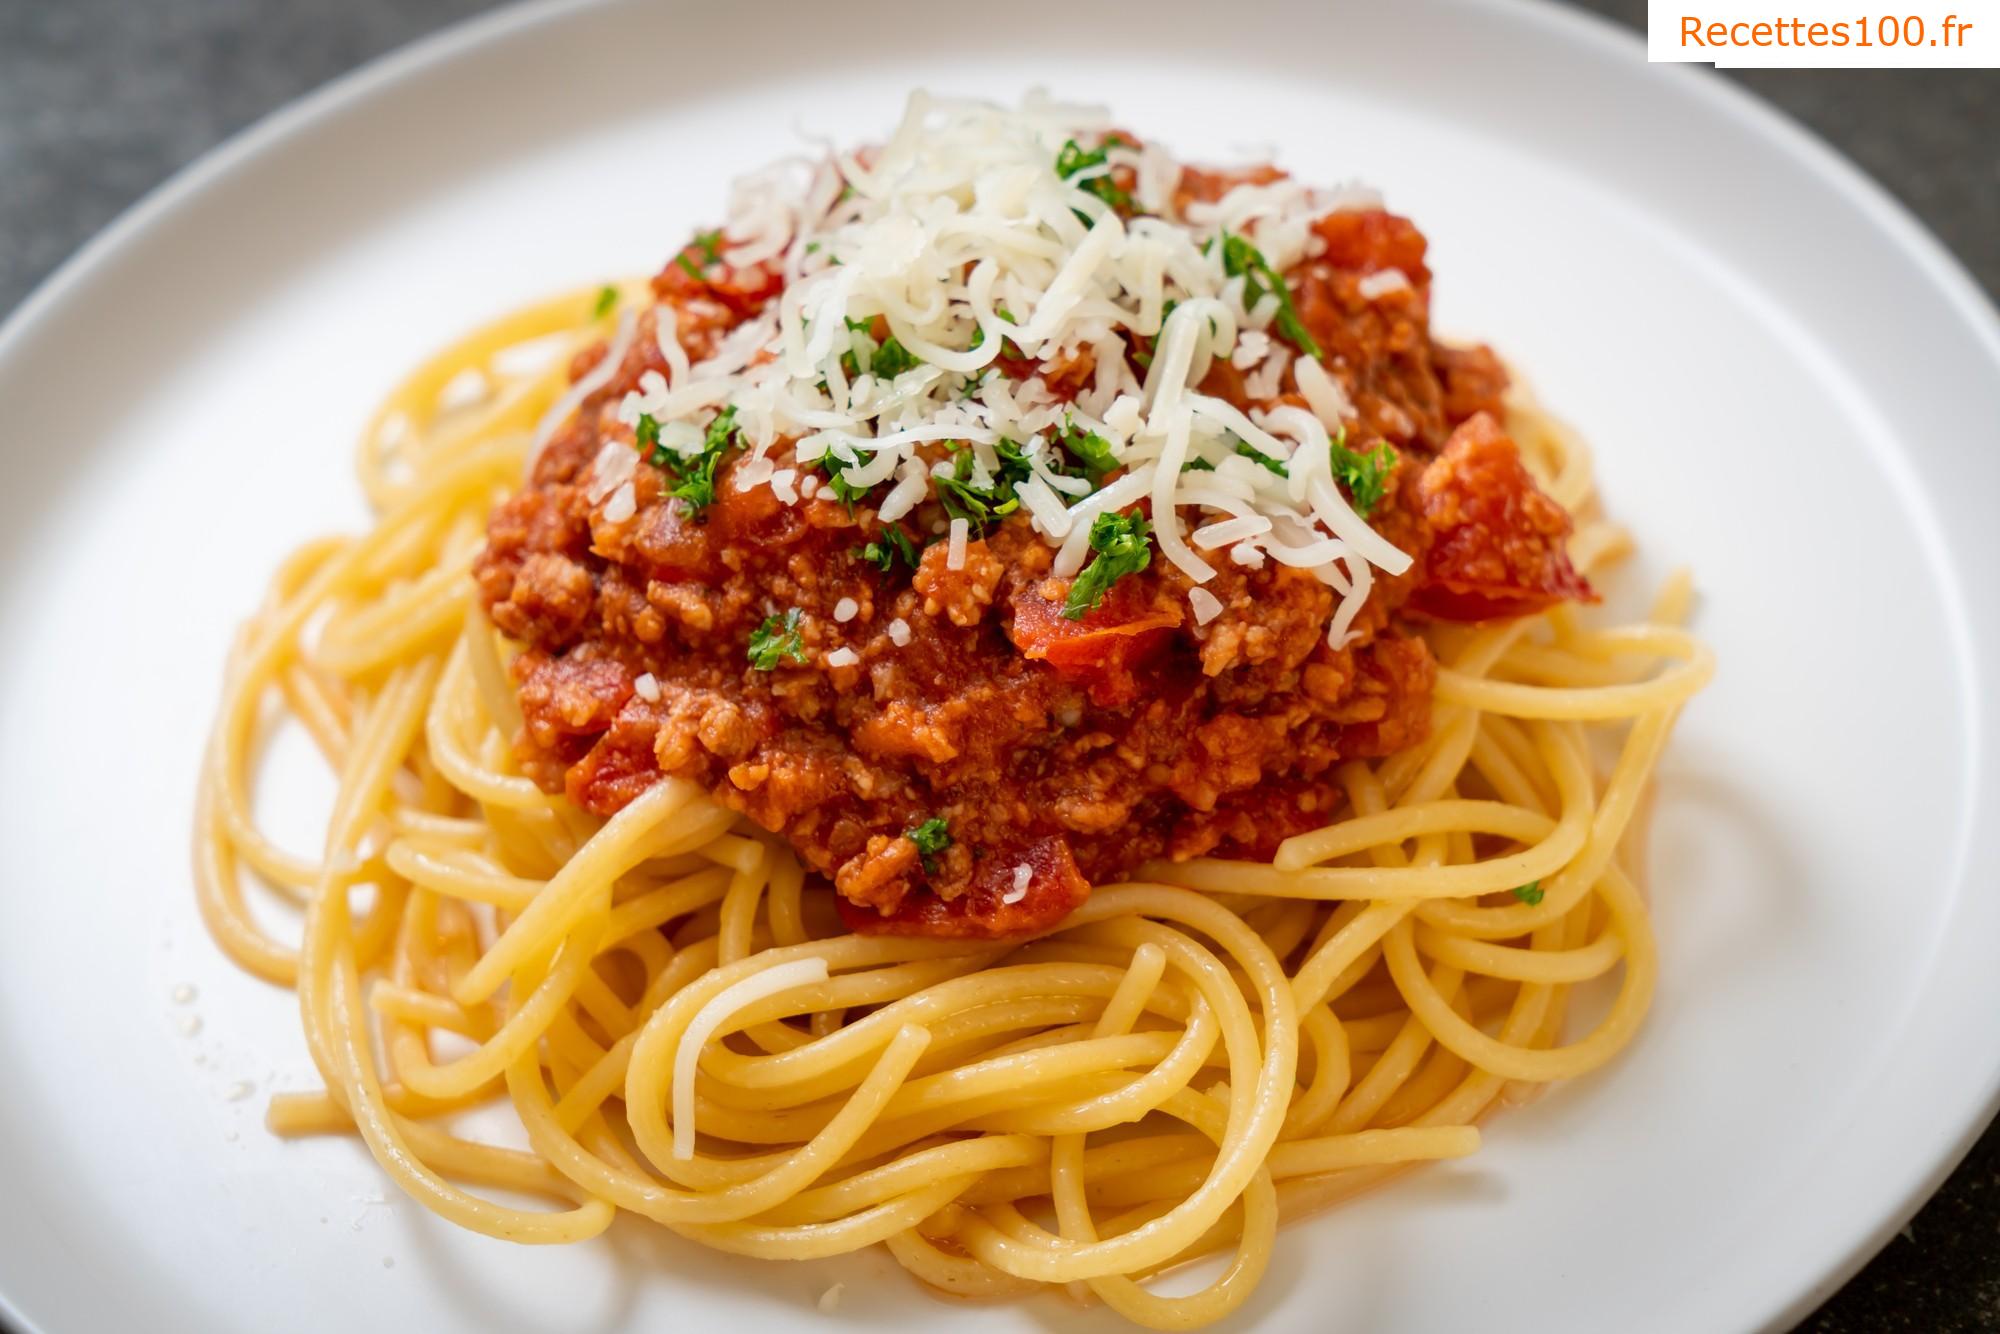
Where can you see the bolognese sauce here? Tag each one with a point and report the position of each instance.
(957, 739)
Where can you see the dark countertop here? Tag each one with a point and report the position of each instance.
(100, 100)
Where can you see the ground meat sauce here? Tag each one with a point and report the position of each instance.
(1057, 753)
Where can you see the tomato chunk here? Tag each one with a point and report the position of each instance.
(1101, 650)
(1365, 240)
(984, 911)
(1498, 543)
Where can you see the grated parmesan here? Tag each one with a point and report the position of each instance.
(842, 657)
(846, 609)
(956, 239)
(648, 688)
(1023, 874)
(899, 632)
(1206, 605)
(1381, 283)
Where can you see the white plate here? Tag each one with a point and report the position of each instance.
(1792, 388)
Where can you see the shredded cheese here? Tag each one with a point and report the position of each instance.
(725, 1004)
(1381, 283)
(958, 242)
(1205, 604)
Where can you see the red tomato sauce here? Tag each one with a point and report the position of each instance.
(1072, 748)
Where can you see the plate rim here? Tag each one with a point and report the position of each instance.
(1892, 219)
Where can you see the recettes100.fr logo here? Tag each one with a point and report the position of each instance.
(1820, 34)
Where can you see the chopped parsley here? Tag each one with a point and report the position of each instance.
(1256, 455)
(834, 469)
(1123, 543)
(1530, 893)
(710, 246)
(1074, 159)
(775, 640)
(1365, 476)
(885, 361)
(1197, 465)
(892, 359)
(931, 837)
(1014, 468)
(1240, 258)
(1090, 449)
(979, 506)
(607, 301)
(693, 476)
(893, 545)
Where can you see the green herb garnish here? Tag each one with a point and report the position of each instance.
(892, 359)
(607, 301)
(1123, 543)
(710, 246)
(1530, 893)
(884, 551)
(931, 837)
(1014, 468)
(979, 506)
(833, 468)
(1365, 476)
(776, 639)
(1250, 451)
(693, 476)
(1074, 159)
(1240, 258)
(1090, 449)
(886, 361)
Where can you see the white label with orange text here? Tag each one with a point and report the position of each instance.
(1834, 34)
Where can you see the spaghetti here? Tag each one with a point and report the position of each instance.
(688, 1032)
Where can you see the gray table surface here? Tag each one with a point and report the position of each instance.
(100, 100)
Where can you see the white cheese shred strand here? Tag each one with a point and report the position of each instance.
(779, 977)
